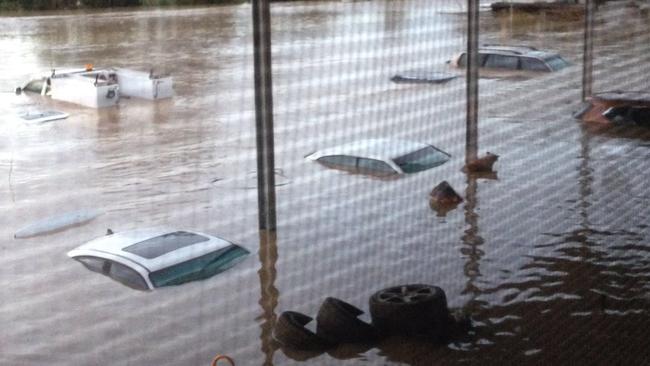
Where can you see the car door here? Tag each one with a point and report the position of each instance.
(116, 271)
(126, 276)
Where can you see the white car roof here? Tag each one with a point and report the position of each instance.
(114, 244)
(380, 149)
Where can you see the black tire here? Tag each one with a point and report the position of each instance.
(290, 331)
(338, 322)
(412, 310)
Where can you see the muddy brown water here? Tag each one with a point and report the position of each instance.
(551, 258)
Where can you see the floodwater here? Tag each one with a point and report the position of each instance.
(551, 259)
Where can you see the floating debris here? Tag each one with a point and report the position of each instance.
(250, 181)
(557, 7)
(617, 108)
(56, 223)
(215, 361)
(443, 198)
(290, 331)
(481, 165)
(338, 322)
(42, 116)
(412, 310)
(423, 77)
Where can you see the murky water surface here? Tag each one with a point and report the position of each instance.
(552, 258)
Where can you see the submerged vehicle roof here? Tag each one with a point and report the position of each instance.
(517, 50)
(148, 248)
(372, 148)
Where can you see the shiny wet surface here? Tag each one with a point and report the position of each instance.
(551, 258)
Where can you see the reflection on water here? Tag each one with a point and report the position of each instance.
(268, 253)
(551, 259)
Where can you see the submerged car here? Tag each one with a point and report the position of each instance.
(146, 259)
(98, 88)
(617, 107)
(513, 58)
(381, 157)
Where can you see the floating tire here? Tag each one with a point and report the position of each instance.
(290, 331)
(338, 322)
(412, 310)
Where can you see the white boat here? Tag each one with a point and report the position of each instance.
(97, 88)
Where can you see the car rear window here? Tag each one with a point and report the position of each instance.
(422, 159)
(556, 63)
(159, 245)
(462, 60)
(199, 268)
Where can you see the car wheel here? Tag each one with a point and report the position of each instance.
(290, 331)
(338, 322)
(414, 310)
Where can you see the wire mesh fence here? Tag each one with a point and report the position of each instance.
(303, 132)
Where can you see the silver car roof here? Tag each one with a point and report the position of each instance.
(114, 244)
(518, 51)
(379, 149)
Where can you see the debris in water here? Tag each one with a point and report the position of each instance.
(56, 223)
(443, 198)
(481, 165)
(42, 116)
(423, 77)
(250, 181)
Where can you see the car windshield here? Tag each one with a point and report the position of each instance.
(422, 159)
(556, 63)
(199, 268)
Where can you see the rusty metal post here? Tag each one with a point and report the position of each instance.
(471, 143)
(264, 115)
(588, 50)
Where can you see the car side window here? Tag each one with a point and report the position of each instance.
(533, 64)
(373, 166)
(339, 161)
(126, 276)
(92, 263)
(502, 62)
(462, 60)
(641, 116)
(481, 59)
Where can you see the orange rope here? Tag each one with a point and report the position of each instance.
(222, 357)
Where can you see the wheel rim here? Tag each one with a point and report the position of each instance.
(406, 294)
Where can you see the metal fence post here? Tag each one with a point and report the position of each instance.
(471, 143)
(264, 114)
(588, 51)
